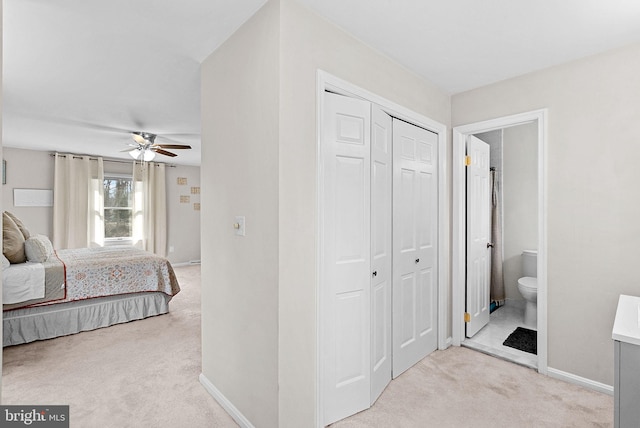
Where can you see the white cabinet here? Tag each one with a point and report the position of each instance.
(626, 383)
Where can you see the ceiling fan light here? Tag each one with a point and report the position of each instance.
(135, 153)
(148, 155)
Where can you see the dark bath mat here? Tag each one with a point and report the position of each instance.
(523, 339)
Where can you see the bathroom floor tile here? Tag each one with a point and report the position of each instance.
(503, 321)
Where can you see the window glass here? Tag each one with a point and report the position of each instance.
(118, 207)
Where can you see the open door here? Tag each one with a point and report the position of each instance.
(478, 236)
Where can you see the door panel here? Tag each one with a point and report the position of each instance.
(407, 298)
(350, 351)
(405, 227)
(381, 175)
(478, 235)
(380, 321)
(346, 257)
(427, 298)
(414, 244)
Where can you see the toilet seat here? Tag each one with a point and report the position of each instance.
(529, 282)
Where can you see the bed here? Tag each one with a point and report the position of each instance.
(83, 289)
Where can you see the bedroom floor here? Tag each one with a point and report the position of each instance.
(139, 374)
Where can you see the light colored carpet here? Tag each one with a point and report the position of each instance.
(139, 374)
(145, 374)
(460, 387)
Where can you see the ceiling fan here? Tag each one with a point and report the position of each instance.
(145, 148)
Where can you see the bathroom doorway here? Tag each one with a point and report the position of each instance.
(517, 151)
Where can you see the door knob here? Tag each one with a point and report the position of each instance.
(417, 260)
(375, 272)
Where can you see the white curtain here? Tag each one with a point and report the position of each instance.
(78, 203)
(150, 207)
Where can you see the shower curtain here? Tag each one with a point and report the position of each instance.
(497, 283)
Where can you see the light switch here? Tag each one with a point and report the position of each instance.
(239, 226)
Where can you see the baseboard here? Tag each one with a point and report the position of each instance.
(581, 381)
(189, 263)
(225, 403)
(447, 343)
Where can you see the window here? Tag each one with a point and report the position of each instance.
(118, 207)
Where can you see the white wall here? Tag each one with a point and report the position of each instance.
(34, 169)
(183, 219)
(240, 91)
(593, 106)
(29, 169)
(520, 191)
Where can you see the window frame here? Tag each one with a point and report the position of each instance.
(119, 239)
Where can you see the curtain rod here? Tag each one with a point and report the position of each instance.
(107, 159)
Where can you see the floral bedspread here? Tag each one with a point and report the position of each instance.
(106, 271)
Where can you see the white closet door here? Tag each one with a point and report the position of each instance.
(478, 235)
(415, 251)
(381, 278)
(346, 257)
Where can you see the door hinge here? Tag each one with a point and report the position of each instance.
(467, 317)
(467, 160)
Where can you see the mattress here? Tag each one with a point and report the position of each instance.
(53, 283)
(22, 282)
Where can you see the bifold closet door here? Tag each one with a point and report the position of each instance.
(381, 250)
(415, 237)
(345, 257)
(378, 264)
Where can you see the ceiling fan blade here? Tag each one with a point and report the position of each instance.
(163, 152)
(164, 137)
(129, 149)
(143, 138)
(172, 146)
(175, 134)
(138, 138)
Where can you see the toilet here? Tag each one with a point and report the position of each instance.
(528, 287)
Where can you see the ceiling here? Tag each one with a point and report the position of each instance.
(79, 75)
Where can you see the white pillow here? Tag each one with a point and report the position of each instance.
(5, 262)
(38, 248)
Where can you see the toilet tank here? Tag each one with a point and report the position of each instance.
(530, 263)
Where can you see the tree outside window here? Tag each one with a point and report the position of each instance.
(118, 207)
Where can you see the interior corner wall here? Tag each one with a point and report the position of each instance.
(592, 214)
(309, 43)
(183, 213)
(239, 177)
